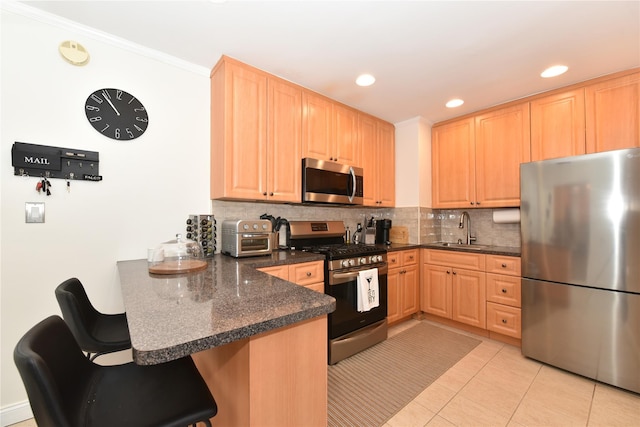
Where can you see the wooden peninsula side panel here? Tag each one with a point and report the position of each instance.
(274, 378)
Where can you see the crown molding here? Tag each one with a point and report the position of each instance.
(57, 21)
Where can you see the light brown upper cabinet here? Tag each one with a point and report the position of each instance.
(558, 125)
(329, 130)
(255, 134)
(613, 114)
(453, 155)
(377, 141)
(476, 160)
(502, 144)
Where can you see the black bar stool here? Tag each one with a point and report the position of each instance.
(65, 389)
(95, 332)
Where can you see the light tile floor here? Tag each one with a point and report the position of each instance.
(494, 385)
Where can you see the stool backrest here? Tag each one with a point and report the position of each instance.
(78, 312)
(54, 372)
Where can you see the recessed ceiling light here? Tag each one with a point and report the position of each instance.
(556, 70)
(365, 80)
(454, 103)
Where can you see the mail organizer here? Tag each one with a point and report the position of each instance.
(54, 162)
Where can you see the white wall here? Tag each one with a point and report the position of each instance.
(150, 184)
(413, 163)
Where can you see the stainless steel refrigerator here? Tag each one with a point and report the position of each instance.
(580, 225)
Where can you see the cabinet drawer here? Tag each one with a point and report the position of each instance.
(503, 264)
(409, 257)
(394, 259)
(307, 273)
(503, 289)
(466, 260)
(504, 320)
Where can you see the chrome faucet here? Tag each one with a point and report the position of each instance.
(470, 238)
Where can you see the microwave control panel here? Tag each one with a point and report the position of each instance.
(202, 229)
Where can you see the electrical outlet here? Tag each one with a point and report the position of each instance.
(34, 212)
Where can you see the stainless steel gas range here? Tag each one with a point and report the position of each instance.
(350, 330)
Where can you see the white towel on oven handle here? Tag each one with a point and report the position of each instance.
(368, 290)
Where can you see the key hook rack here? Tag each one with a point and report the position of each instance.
(43, 161)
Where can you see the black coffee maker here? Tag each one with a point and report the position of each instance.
(383, 227)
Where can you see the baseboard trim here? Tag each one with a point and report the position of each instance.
(15, 413)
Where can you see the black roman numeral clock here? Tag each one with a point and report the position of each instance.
(116, 114)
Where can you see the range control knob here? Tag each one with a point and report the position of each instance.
(352, 262)
(345, 263)
(363, 260)
(245, 226)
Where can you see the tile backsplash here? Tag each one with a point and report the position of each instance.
(425, 225)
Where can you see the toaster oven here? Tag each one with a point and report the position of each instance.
(243, 238)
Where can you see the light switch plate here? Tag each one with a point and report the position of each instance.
(34, 212)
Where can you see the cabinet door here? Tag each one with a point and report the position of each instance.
(410, 291)
(386, 165)
(502, 144)
(393, 295)
(613, 114)
(557, 125)
(453, 164)
(469, 297)
(435, 290)
(317, 127)
(284, 142)
(347, 149)
(368, 135)
(239, 132)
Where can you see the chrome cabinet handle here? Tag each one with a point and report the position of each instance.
(504, 291)
(504, 265)
(504, 321)
(308, 274)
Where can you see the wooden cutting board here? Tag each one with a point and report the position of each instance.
(175, 267)
(399, 234)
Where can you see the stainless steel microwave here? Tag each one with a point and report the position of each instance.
(331, 182)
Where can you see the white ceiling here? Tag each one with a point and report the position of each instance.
(422, 52)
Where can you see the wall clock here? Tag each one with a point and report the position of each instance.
(116, 114)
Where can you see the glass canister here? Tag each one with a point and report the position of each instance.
(180, 255)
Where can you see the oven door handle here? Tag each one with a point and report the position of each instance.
(338, 278)
(256, 236)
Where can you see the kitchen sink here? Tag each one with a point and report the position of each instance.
(461, 246)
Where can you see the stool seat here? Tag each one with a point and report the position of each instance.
(66, 389)
(95, 332)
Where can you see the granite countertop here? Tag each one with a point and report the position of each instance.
(171, 316)
(489, 250)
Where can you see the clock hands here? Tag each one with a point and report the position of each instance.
(107, 98)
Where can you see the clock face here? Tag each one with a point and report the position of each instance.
(116, 114)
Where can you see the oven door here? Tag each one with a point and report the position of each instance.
(343, 287)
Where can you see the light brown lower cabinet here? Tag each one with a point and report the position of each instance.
(402, 285)
(480, 292)
(453, 286)
(307, 274)
(504, 296)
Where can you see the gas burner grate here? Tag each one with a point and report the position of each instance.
(344, 251)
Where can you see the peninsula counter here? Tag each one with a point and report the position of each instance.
(260, 342)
